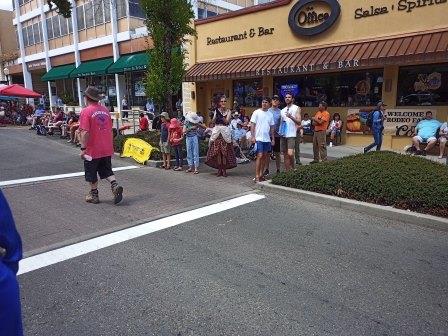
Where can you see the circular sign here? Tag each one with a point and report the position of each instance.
(298, 18)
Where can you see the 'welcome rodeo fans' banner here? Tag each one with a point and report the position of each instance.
(399, 121)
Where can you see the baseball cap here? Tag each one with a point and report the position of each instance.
(275, 97)
(381, 103)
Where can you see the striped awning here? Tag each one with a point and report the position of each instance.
(428, 47)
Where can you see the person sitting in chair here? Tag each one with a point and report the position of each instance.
(426, 131)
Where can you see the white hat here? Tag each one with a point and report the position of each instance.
(193, 118)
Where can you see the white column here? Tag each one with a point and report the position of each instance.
(46, 45)
(26, 74)
(115, 50)
(75, 47)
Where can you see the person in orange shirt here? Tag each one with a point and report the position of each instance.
(320, 121)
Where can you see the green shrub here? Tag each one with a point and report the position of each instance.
(386, 178)
(153, 137)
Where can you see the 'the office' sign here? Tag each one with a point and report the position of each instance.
(312, 17)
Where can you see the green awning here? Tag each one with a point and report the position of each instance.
(59, 72)
(92, 68)
(132, 62)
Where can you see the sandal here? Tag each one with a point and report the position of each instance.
(189, 170)
(177, 169)
(168, 167)
(162, 166)
(196, 172)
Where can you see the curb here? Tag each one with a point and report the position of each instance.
(415, 218)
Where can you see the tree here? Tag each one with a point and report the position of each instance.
(169, 26)
(63, 7)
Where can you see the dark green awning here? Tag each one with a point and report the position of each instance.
(59, 72)
(132, 62)
(92, 68)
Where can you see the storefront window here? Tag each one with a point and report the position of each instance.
(362, 88)
(423, 85)
(248, 92)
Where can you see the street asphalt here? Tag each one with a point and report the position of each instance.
(277, 266)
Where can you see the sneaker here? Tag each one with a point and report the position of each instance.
(118, 194)
(92, 198)
(411, 150)
(331, 144)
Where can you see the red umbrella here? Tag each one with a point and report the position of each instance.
(16, 90)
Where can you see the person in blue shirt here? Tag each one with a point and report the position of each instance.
(10, 255)
(377, 127)
(38, 114)
(426, 131)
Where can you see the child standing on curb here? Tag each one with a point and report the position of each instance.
(175, 138)
(192, 122)
(164, 140)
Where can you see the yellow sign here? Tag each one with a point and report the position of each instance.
(137, 149)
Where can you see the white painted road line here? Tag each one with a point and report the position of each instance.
(71, 251)
(53, 177)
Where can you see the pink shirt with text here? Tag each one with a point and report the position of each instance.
(96, 120)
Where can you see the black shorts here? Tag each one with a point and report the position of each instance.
(101, 167)
(276, 148)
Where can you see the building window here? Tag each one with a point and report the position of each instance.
(248, 92)
(30, 35)
(362, 88)
(423, 85)
(37, 33)
(80, 17)
(70, 26)
(25, 37)
(64, 27)
(135, 9)
(49, 28)
(22, 2)
(99, 12)
(121, 9)
(88, 11)
(106, 11)
(56, 26)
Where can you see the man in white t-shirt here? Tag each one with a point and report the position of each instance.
(290, 117)
(262, 130)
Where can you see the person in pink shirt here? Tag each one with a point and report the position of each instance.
(95, 127)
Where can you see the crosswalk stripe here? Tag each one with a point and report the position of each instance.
(71, 251)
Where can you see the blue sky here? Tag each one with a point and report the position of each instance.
(6, 4)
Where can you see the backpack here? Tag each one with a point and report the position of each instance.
(41, 130)
(369, 121)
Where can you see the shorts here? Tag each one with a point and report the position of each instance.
(165, 147)
(420, 139)
(263, 147)
(101, 166)
(287, 143)
(276, 147)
